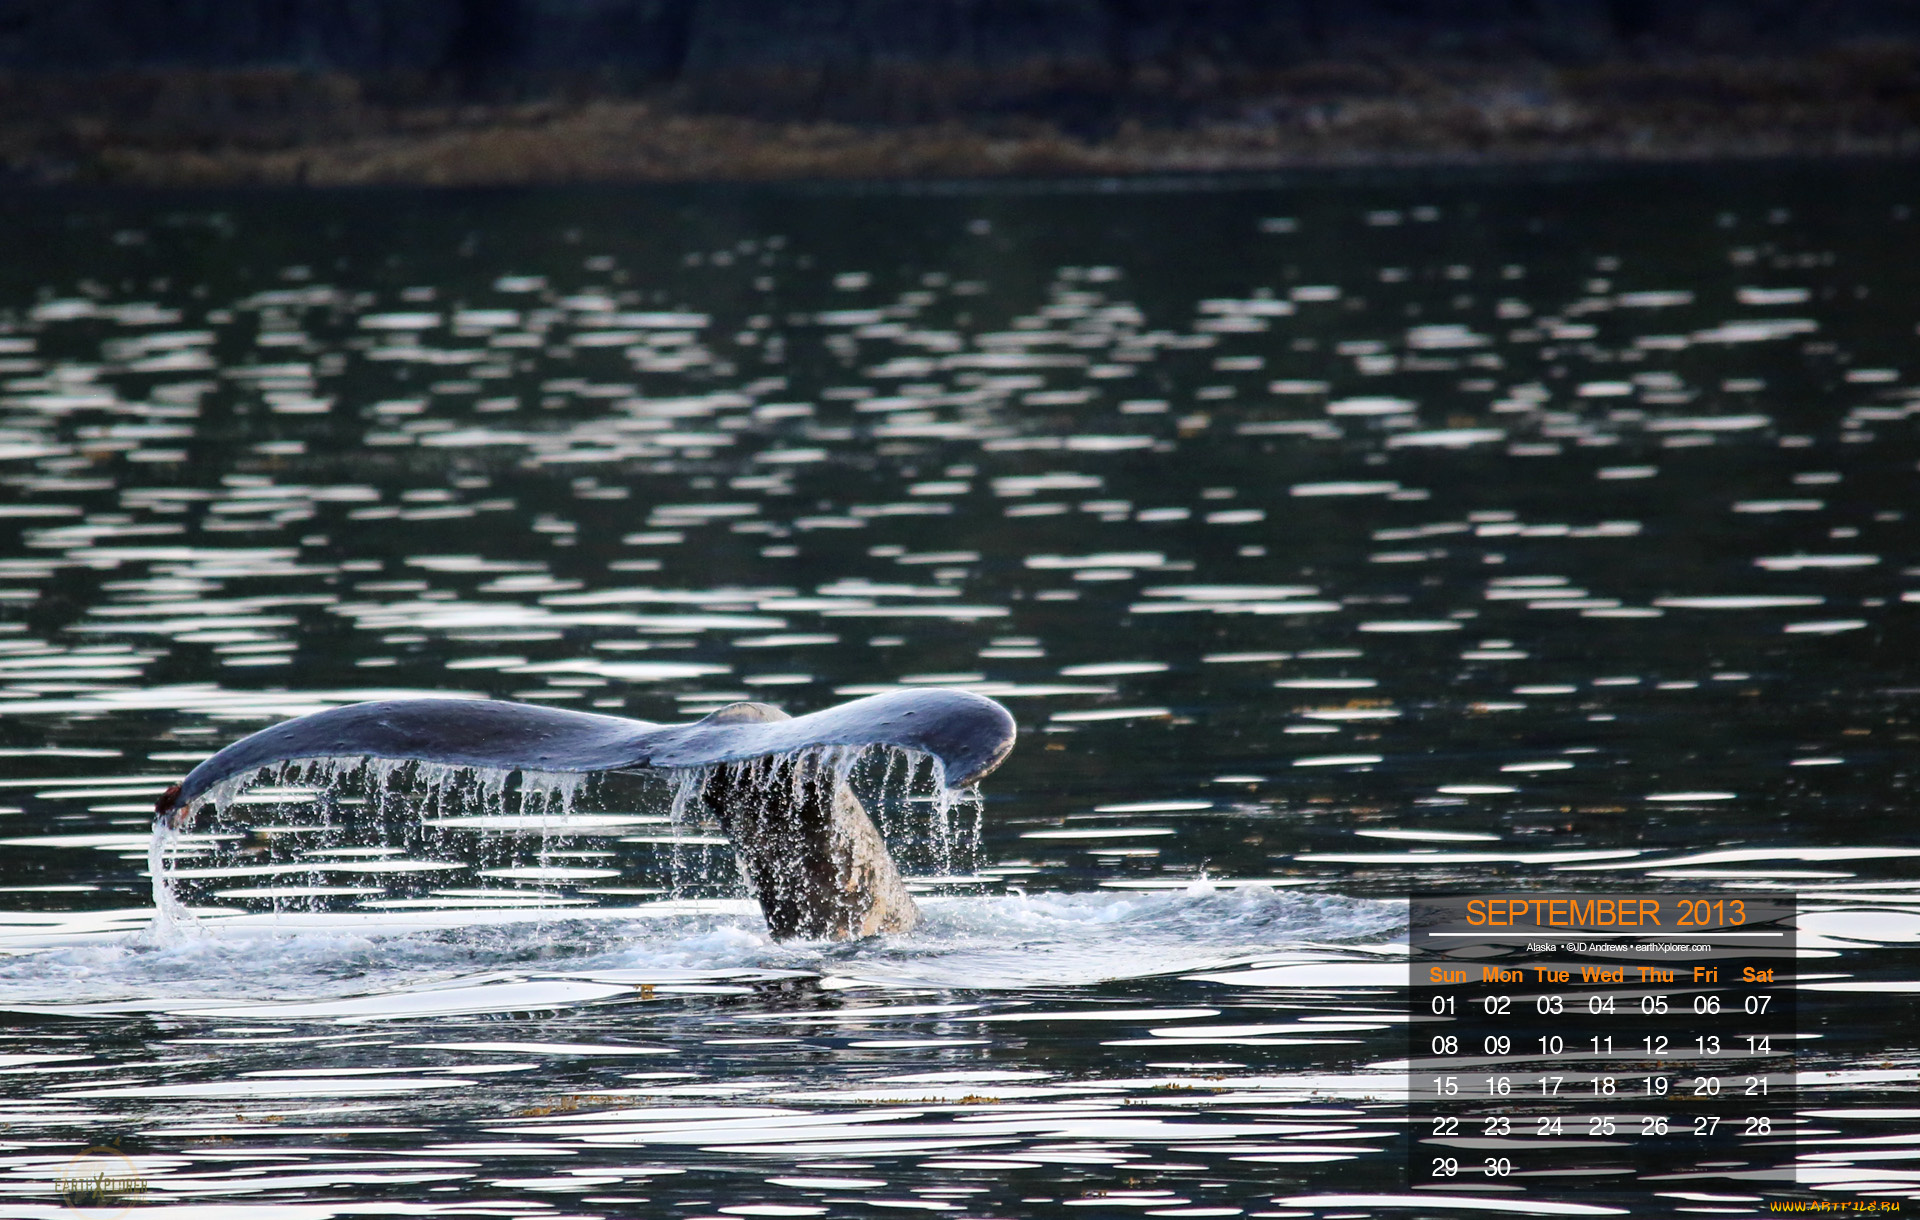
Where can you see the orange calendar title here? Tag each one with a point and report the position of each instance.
(1585, 913)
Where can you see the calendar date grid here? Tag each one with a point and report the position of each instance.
(1541, 1045)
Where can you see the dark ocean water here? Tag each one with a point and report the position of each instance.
(1329, 539)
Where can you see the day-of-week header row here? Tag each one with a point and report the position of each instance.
(1569, 912)
(1591, 974)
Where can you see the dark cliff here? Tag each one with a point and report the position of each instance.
(284, 88)
(663, 39)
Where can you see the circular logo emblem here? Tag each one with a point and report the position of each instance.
(101, 1182)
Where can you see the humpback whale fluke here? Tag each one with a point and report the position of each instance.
(812, 856)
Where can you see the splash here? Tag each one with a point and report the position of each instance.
(685, 785)
(400, 798)
(172, 921)
(257, 968)
(288, 832)
(935, 827)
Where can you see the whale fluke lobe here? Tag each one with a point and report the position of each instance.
(777, 783)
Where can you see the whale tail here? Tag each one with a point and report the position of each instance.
(811, 854)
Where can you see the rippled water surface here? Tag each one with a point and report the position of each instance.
(1328, 540)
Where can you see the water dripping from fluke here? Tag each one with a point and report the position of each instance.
(780, 786)
(172, 920)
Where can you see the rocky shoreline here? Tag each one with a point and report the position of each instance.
(283, 128)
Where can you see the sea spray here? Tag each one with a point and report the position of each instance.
(685, 785)
(172, 921)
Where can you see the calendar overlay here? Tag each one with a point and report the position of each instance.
(1619, 1039)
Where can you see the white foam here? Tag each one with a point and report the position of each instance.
(324, 965)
